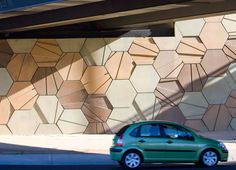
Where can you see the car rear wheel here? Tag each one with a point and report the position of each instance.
(132, 160)
(209, 158)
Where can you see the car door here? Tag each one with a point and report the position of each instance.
(180, 144)
(151, 142)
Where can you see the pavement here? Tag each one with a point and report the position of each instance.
(65, 150)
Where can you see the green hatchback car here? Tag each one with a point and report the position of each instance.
(158, 141)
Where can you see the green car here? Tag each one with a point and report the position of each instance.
(158, 141)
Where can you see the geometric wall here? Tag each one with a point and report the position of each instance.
(96, 85)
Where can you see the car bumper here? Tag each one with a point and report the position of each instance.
(116, 153)
(224, 155)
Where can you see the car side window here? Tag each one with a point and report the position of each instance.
(176, 132)
(150, 130)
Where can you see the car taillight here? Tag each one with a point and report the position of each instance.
(120, 140)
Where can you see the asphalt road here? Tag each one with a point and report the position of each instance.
(224, 166)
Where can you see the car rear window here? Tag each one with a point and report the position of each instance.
(122, 130)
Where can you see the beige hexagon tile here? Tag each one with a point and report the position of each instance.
(214, 19)
(229, 23)
(24, 122)
(120, 65)
(22, 67)
(193, 105)
(216, 90)
(119, 44)
(168, 64)
(197, 125)
(5, 81)
(191, 50)
(215, 63)
(48, 108)
(22, 95)
(5, 53)
(96, 80)
(147, 106)
(46, 52)
(72, 121)
(230, 49)
(169, 93)
(214, 116)
(168, 43)
(22, 45)
(144, 50)
(71, 44)
(190, 27)
(48, 129)
(209, 38)
(6, 110)
(231, 103)
(95, 51)
(71, 66)
(144, 78)
(121, 93)
(4, 130)
(72, 94)
(192, 77)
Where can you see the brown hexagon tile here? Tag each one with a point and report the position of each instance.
(46, 52)
(22, 95)
(214, 116)
(120, 65)
(144, 50)
(47, 81)
(72, 94)
(197, 125)
(5, 53)
(169, 93)
(6, 110)
(214, 19)
(97, 110)
(231, 103)
(71, 66)
(215, 63)
(22, 67)
(192, 77)
(213, 35)
(191, 50)
(96, 80)
(230, 49)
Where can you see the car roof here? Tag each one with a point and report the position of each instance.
(154, 121)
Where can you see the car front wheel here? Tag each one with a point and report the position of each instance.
(209, 158)
(132, 160)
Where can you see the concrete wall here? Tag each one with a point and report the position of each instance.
(71, 86)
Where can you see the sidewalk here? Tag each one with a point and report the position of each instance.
(64, 150)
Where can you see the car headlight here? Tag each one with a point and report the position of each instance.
(222, 146)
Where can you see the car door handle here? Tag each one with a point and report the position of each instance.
(141, 141)
(169, 141)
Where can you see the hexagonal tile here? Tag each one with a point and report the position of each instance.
(119, 44)
(229, 22)
(22, 95)
(193, 105)
(46, 52)
(169, 93)
(71, 66)
(144, 78)
(214, 18)
(4, 130)
(233, 123)
(214, 116)
(120, 65)
(231, 103)
(147, 106)
(5, 81)
(6, 110)
(192, 77)
(24, 122)
(197, 125)
(22, 45)
(232, 71)
(5, 53)
(121, 93)
(48, 129)
(47, 81)
(22, 67)
(95, 51)
(71, 44)
(216, 90)
(191, 50)
(48, 108)
(230, 49)
(72, 94)
(72, 121)
(144, 50)
(168, 64)
(209, 38)
(215, 63)
(96, 80)
(190, 27)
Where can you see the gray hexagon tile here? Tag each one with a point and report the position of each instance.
(144, 78)
(48, 129)
(119, 44)
(121, 93)
(197, 125)
(71, 44)
(5, 81)
(229, 23)
(21, 45)
(233, 123)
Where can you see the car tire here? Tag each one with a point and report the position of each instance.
(121, 163)
(132, 160)
(209, 158)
